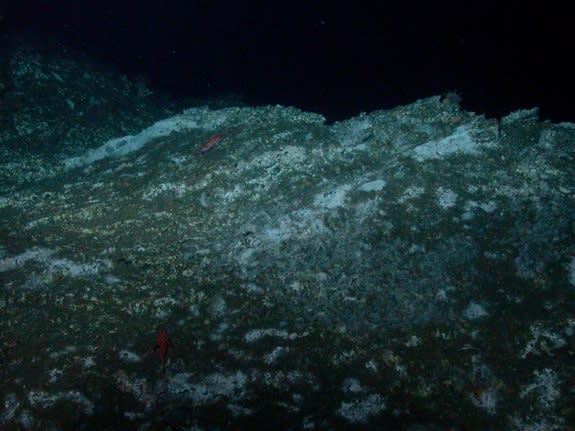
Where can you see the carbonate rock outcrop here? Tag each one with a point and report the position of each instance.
(399, 267)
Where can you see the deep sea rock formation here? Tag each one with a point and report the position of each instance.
(411, 268)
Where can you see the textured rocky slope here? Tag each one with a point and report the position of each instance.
(411, 268)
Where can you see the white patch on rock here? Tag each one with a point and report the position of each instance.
(213, 387)
(545, 389)
(44, 400)
(475, 311)
(542, 341)
(128, 356)
(275, 354)
(299, 224)
(361, 410)
(460, 142)
(446, 198)
(372, 186)
(470, 206)
(53, 267)
(256, 334)
(164, 306)
(358, 129)
(411, 192)
(37, 254)
(41, 399)
(333, 198)
(11, 405)
(194, 118)
(72, 269)
(154, 191)
(351, 385)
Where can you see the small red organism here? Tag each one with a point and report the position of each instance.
(211, 143)
(163, 344)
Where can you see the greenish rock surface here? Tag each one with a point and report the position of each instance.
(407, 269)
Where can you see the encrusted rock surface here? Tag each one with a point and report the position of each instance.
(412, 268)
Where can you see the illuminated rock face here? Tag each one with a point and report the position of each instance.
(290, 251)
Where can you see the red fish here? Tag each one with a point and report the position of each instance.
(211, 143)
(163, 344)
